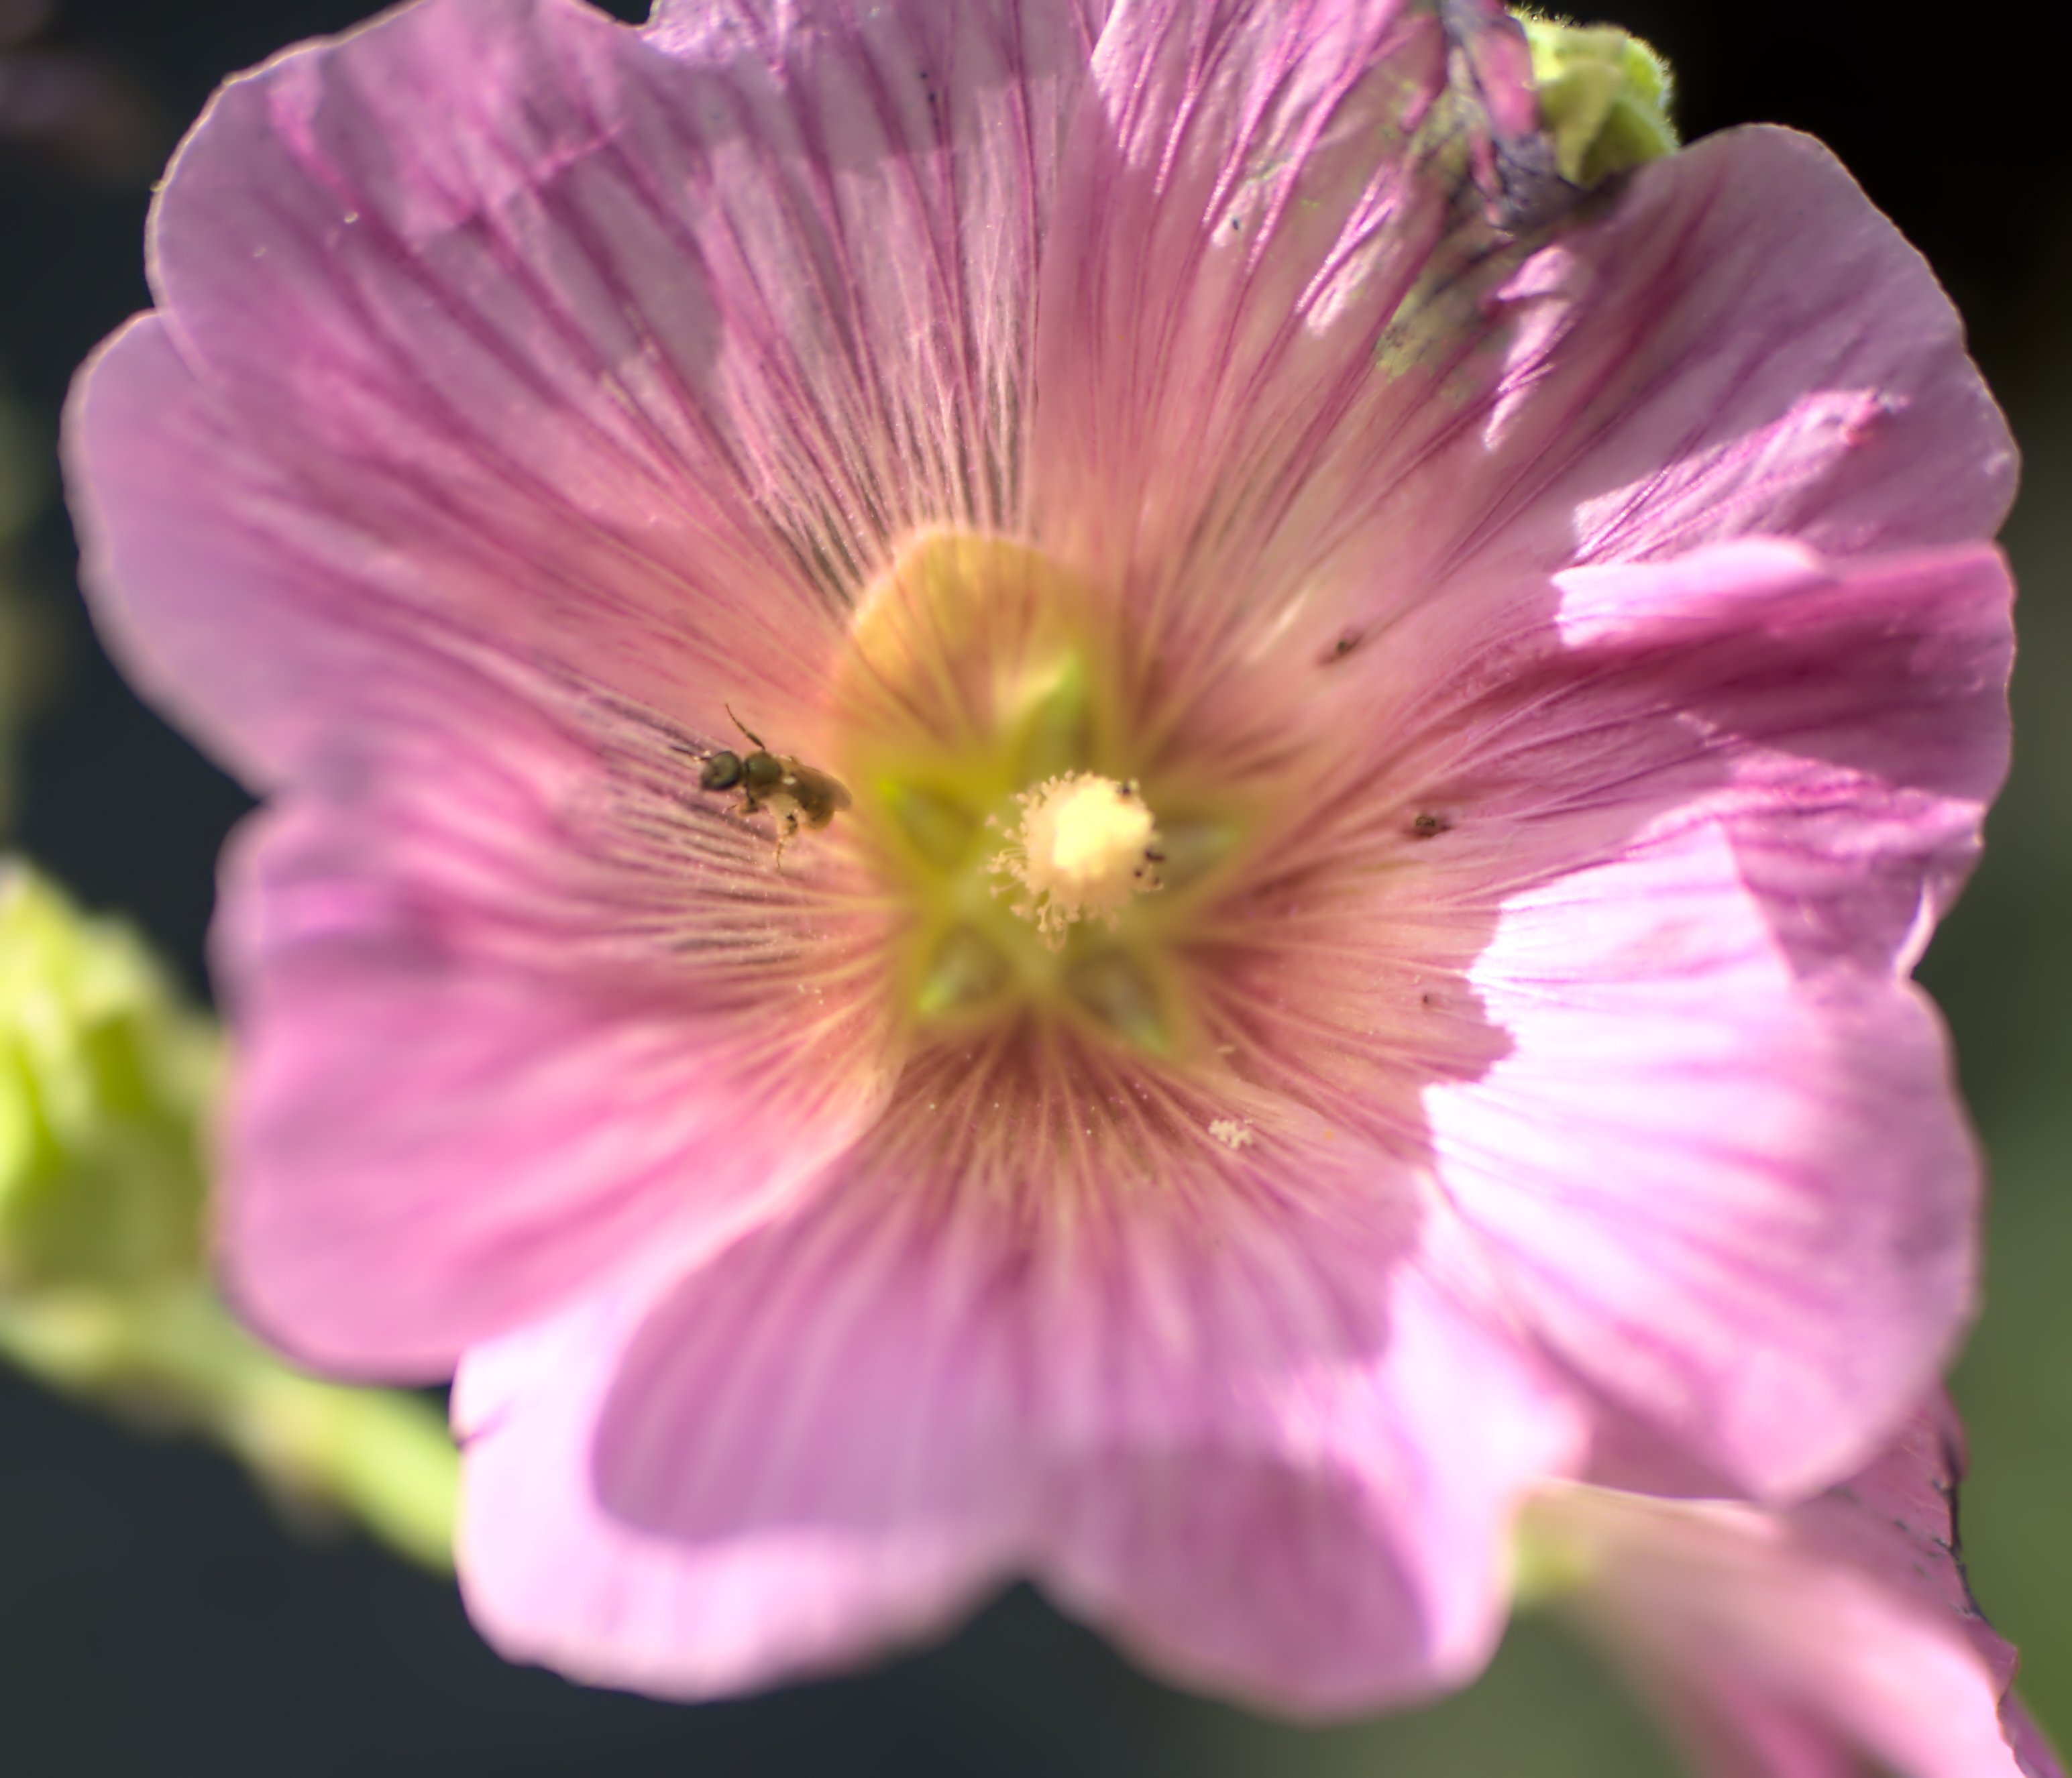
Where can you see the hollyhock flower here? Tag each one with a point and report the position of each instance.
(1820, 1641)
(1399, 745)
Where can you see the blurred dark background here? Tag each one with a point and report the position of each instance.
(155, 1615)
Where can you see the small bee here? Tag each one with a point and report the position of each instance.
(797, 794)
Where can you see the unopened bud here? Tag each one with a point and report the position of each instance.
(104, 1073)
(1604, 97)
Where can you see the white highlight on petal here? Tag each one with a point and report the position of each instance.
(1084, 847)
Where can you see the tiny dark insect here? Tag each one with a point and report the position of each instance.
(797, 794)
(1429, 825)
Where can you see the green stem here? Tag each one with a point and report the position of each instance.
(173, 1355)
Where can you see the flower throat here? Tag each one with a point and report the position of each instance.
(1043, 858)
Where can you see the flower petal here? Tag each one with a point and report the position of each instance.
(1800, 1644)
(1723, 1162)
(258, 626)
(1345, 1560)
(922, 1382)
(1291, 376)
(1742, 344)
(508, 1015)
(1249, 201)
(553, 1573)
(588, 347)
(494, 973)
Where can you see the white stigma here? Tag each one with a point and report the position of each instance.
(1084, 846)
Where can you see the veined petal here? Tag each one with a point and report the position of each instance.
(1722, 1161)
(634, 369)
(1745, 1215)
(1379, 402)
(553, 1573)
(936, 1387)
(1343, 1561)
(510, 1011)
(1741, 345)
(1260, 190)
(1847, 723)
(1804, 1644)
(265, 629)
(483, 1133)
(468, 371)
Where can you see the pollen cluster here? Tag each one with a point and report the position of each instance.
(1084, 848)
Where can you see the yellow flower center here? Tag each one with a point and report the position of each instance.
(1017, 801)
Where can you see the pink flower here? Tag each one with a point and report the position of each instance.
(1398, 770)
(1809, 1643)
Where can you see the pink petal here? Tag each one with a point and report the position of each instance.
(1742, 344)
(452, 1105)
(1287, 380)
(1722, 1164)
(1802, 1645)
(265, 629)
(500, 1020)
(1236, 226)
(553, 1573)
(632, 364)
(2034, 1756)
(1351, 1561)
(1848, 722)
(1236, 1444)
(501, 1027)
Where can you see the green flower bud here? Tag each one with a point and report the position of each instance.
(104, 1075)
(1604, 97)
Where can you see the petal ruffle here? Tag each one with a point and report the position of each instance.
(1238, 1446)
(1722, 1164)
(1800, 1644)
